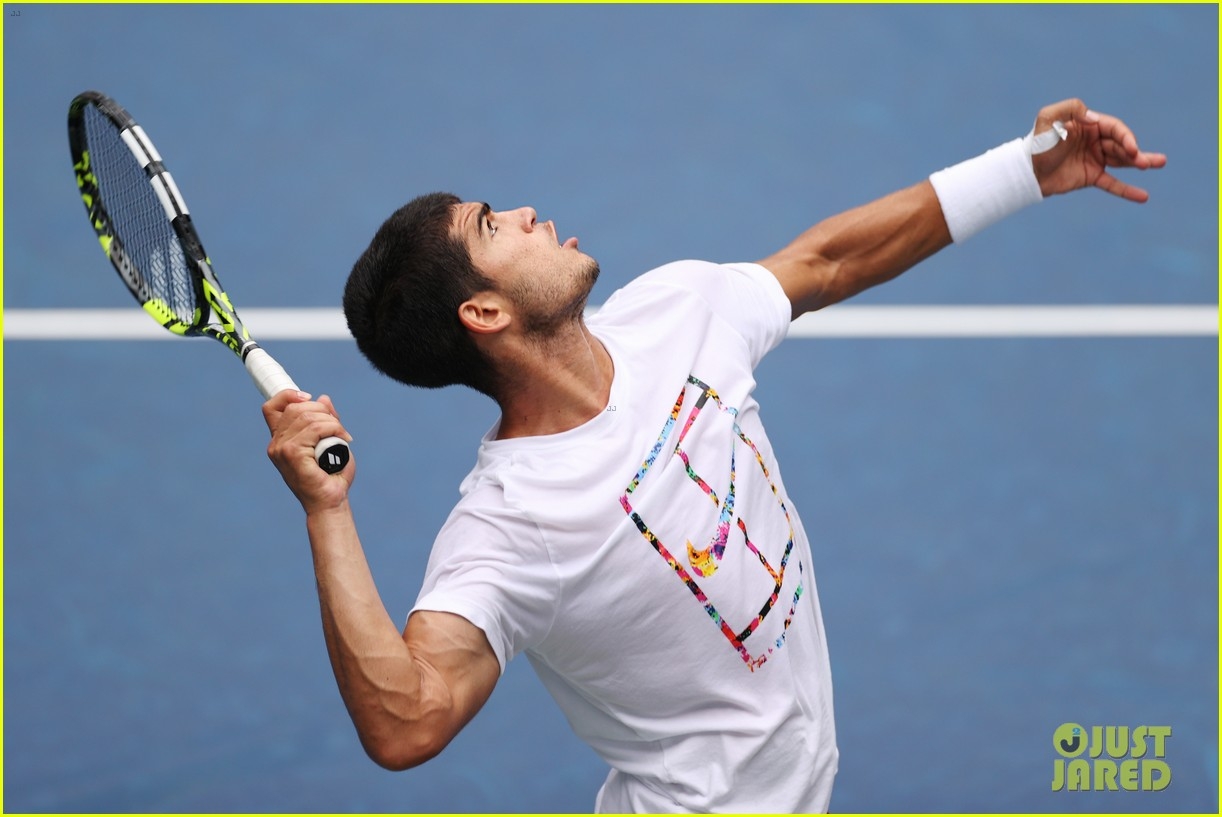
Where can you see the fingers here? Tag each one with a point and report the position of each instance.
(326, 402)
(274, 408)
(1154, 161)
(1119, 149)
(1119, 143)
(1116, 134)
(282, 404)
(1110, 130)
(299, 425)
(1117, 156)
(1128, 192)
(308, 418)
(280, 400)
(1114, 155)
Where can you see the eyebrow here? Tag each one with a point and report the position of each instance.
(462, 220)
(483, 216)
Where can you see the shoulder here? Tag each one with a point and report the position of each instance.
(697, 277)
(484, 513)
(744, 296)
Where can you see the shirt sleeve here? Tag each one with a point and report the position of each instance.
(490, 566)
(745, 296)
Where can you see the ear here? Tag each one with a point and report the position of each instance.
(484, 313)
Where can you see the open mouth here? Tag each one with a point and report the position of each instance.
(568, 243)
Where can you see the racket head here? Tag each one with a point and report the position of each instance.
(143, 224)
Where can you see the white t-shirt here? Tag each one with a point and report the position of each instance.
(651, 564)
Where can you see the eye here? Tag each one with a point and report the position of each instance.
(491, 227)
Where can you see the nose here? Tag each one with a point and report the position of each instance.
(526, 216)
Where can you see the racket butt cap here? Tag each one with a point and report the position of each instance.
(332, 454)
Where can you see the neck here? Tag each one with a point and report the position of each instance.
(555, 385)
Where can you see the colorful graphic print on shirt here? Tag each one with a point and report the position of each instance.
(725, 479)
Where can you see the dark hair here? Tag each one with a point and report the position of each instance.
(402, 297)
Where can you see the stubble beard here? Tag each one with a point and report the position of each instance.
(547, 320)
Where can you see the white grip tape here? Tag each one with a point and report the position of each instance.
(986, 189)
(331, 453)
(1046, 141)
(269, 376)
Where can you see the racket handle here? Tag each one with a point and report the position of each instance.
(331, 453)
(269, 376)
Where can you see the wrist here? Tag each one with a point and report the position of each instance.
(326, 514)
(984, 190)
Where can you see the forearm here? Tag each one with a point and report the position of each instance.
(861, 248)
(383, 686)
(408, 693)
(868, 245)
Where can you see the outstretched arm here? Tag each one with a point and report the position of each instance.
(408, 693)
(860, 248)
(863, 247)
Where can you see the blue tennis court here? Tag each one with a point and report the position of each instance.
(1010, 533)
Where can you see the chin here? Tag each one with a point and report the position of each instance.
(591, 270)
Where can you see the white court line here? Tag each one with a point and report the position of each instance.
(843, 321)
(1089, 320)
(133, 324)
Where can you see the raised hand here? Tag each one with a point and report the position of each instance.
(1093, 143)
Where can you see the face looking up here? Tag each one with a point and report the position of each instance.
(546, 281)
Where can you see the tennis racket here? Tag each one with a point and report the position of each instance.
(145, 230)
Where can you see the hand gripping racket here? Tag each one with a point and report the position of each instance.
(145, 230)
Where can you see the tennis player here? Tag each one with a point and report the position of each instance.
(626, 524)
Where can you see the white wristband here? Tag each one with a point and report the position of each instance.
(984, 190)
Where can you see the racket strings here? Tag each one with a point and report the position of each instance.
(137, 216)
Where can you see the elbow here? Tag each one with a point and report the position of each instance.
(810, 277)
(826, 283)
(391, 757)
(399, 754)
(399, 731)
(829, 275)
(828, 286)
(393, 760)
